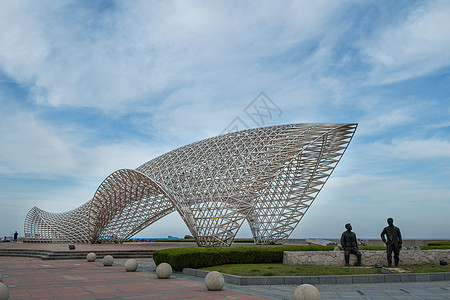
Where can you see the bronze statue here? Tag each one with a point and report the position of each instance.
(393, 242)
(350, 244)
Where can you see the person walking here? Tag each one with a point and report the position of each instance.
(393, 242)
(15, 237)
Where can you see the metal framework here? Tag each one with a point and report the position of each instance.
(268, 176)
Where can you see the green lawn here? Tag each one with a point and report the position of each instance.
(309, 270)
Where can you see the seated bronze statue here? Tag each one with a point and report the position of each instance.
(350, 244)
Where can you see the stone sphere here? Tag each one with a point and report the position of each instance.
(4, 292)
(214, 281)
(404, 249)
(131, 265)
(306, 292)
(108, 260)
(91, 257)
(336, 249)
(163, 271)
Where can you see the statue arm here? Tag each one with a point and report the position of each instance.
(383, 233)
(400, 241)
(342, 240)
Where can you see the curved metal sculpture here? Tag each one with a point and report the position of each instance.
(269, 176)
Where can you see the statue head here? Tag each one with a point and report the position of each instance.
(348, 226)
(390, 221)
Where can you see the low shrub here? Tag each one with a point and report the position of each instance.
(441, 243)
(435, 247)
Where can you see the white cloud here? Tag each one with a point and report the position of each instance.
(376, 124)
(416, 47)
(142, 49)
(29, 146)
(432, 148)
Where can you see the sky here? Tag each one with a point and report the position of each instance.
(90, 87)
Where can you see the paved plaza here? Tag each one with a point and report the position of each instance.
(33, 278)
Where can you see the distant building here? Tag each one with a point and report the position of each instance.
(268, 176)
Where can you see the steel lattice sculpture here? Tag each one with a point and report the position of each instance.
(269, 176)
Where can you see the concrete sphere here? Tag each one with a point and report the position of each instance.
(131, 265)
(336, 249)
(306, 292)
(163, 271)
(214, 281)
(108, 260)
(4, 292)
(91, 257)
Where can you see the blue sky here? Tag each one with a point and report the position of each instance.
(90, 87)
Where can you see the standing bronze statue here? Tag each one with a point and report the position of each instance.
(350, 244)
(393, 242)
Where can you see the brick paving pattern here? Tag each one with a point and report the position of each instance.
(33, 278)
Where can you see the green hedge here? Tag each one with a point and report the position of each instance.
(442, 243)
(180, 258)
(435, 247)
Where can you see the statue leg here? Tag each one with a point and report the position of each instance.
(396, 255)
(359, 256)
(347, 257)
(389, 255)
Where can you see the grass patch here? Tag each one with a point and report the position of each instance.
(427, 268)
(310, 270)
(285, 270)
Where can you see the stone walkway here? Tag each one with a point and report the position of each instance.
(33, 278)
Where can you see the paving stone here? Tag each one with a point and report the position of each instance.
(375, 278)
(360, 279)
(202, 273)
(408, 278)
(437, 277)
(310, 280)
(344, 279)
(392, 278)
(189, 271)
(233, 279)
(293, 280)
(327, 279)
(253, 280)
(422, 277)
(275, 280)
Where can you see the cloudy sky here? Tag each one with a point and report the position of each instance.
(89, 87)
